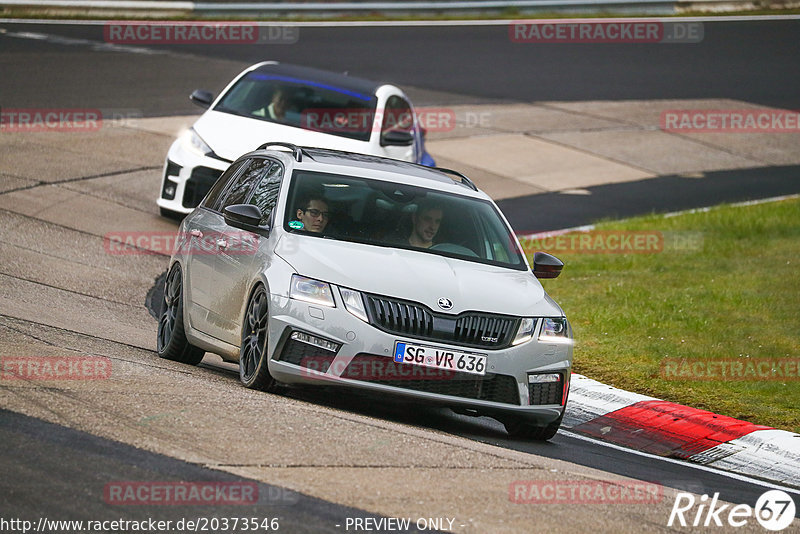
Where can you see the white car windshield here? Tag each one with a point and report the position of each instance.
(302, 104)
(396, 215)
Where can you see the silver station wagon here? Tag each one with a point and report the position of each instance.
(321, 267)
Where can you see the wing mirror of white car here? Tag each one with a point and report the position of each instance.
(246, 217)
(201, 98)
(546, 265)
(396, 138)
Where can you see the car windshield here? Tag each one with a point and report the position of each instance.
(389, 214)
(301, 104)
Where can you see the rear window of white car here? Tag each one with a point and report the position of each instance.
(395, 215)
(302, 104)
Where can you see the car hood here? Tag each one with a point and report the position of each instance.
(230, 136)
(417, 276)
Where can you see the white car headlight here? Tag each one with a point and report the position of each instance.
(555, 330)
(354, 303)
(310, 290)
(525, 330)
(192, 141)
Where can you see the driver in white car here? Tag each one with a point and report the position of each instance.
(279, 109)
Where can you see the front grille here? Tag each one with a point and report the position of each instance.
(473, 328)
(198, 184)
(470, 329)
(399, 317)
(384, 370)
(546, 393)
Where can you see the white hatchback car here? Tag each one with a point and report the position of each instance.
(323, 267)
(299, 105)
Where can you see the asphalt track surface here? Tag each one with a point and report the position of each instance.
(685, 477)
(750, 61)
(753, 61)
(54, 461)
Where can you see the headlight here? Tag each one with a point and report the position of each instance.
(195, 143)
(310, 290)
(354, 303)
(525, 330)
(555, 330)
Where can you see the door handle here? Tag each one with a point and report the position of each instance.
(196, 233)
(222, 244)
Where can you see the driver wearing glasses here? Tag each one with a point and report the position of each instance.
(313, 213)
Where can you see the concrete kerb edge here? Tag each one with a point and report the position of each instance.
(772, 455)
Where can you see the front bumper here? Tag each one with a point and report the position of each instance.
(187, 177)
(363, 360)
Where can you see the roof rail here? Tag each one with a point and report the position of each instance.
(464, 180)
(296, 150)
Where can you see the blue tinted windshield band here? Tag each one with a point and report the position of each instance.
(259, 76)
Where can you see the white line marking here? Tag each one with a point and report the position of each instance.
(592, 227)
(684, 463)
(735, 205)
(96, 45)
(410, 23)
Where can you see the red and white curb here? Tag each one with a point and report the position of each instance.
(671, 430)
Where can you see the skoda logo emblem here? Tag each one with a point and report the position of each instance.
(445, 304)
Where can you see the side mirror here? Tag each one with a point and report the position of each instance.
(397, 138)
(546, 265)
(243, 216)
(201, 98)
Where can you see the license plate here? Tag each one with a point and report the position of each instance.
(439, 358)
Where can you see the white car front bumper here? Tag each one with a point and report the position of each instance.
(186, 178)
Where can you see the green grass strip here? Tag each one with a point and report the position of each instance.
(721, 296)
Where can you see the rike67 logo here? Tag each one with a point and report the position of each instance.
(774, 511)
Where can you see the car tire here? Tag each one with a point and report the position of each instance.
(520, 429)
(172, 342)
(253, 352)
